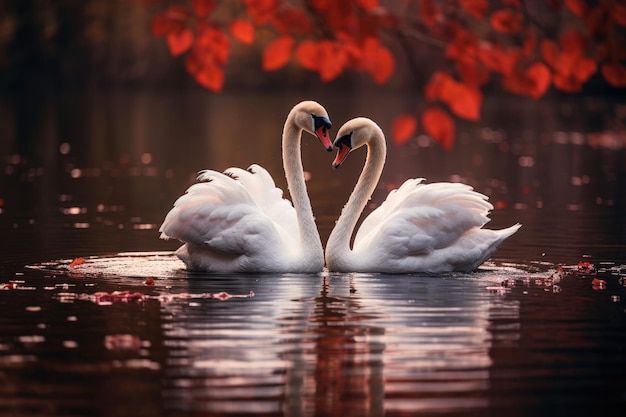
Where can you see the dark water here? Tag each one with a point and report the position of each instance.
(536, 331)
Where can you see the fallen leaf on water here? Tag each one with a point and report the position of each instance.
(598, 284)
(76, 262)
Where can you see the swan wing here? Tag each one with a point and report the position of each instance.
(437, 224)
(231, 214)
(263, 191)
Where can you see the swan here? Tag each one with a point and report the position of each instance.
(238, 221)
(418, 228)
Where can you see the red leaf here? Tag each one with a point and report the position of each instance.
(618, 13)
(76, 262)
(533, 82)
(212, 45)
(332, 60)
(541, 77)
(584, 69)
(440, 126)
(567, 83)
(261, 11)
(202, 8)
(179, 42)
(465, 101)
(149, 281)
(464, 43)
(502, 60)
(173, 19)
(307, 55)
(243, 31)
(472, 72)
(578, 7)
(477, 8)
(614, 74)
(207, 57)
(377, 60)
(277, 53)
(211, 77)
(507, 21)
(403, 128)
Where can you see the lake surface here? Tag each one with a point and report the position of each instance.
(540, 329)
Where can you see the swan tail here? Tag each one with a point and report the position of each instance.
(496, 238)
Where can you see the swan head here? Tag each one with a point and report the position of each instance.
(354, 134)
(311, 117)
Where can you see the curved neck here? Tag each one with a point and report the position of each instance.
(338, 246)
(292, 163)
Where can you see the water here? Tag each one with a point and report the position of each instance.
(536, 331)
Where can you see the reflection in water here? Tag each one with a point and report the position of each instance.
(336, 345)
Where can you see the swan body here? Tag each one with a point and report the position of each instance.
(238, 221)
(420, 227)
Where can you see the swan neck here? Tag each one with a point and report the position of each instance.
(338, 246)
(292, 163)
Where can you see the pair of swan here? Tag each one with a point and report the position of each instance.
(238, 221)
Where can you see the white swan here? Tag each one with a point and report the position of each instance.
(418, 228)
(238, 221)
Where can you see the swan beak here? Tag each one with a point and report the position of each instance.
(342, 154)
(321, 126)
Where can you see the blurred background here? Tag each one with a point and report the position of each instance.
(101, 129)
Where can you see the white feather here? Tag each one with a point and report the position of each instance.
(419, 227)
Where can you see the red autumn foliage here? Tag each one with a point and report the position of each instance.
(571, 67)
(277, 53)
(326, 57)
(440, 126)
(377, 60)
(179, 41)
(507, 21)
(243, 31)
(478, 41)
(173, 19)
(207, 57)
(502, 60)
(472, 72)
(533, 82)
(403, 128)
(615, 74)
(462, 99)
